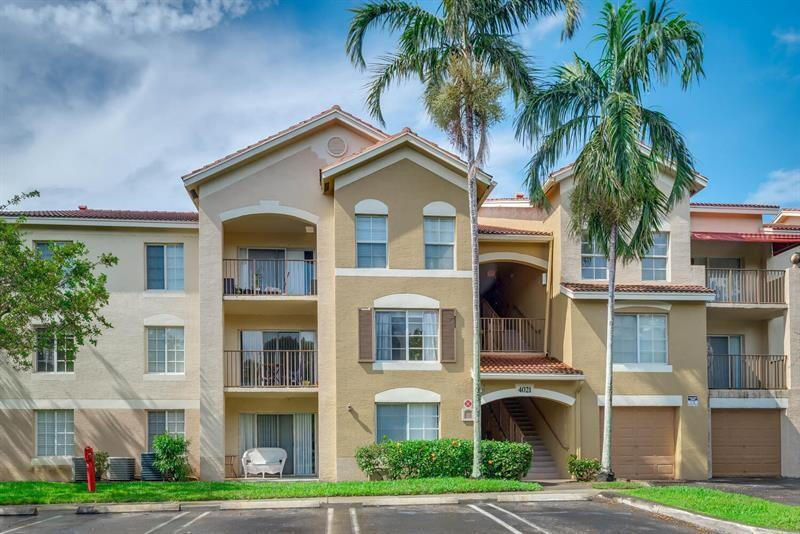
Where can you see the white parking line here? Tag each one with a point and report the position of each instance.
(495, 519)
(199, 517)
(26, 525)
(520, 518)
(165, 523)
(329, 526)
(354, 521)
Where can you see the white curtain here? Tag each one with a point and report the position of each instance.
(303, 443)
(247, 432)
(244, 270)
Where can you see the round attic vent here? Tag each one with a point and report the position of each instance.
(336, 146)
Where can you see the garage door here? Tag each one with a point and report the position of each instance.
(642, 442)
(745, 443)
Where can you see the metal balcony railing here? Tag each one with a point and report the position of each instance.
(747, 286)
(512, 334)
(269, 277)
(271, 368)
(747, 371)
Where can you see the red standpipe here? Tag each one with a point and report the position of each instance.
(88, 455)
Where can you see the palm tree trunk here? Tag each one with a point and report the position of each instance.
(476, 343)
(606, 474)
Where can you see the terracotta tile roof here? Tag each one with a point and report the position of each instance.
(501, 230)
(638, 288)
(282, 132)
(748, 237)
(732, 205)
(521, 363)
(519, 197)
(780, 226)
(128, 215)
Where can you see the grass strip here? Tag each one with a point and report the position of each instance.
(127, 492)
(616, 485)
(724, 505)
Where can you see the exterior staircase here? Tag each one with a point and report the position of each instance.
(543, 467)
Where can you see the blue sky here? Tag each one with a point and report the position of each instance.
(108, 102)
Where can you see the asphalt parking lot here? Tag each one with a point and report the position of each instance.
(514, 518)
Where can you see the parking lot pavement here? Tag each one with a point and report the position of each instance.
(479, 517)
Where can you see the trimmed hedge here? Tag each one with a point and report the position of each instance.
(392, 460)
(583, 469)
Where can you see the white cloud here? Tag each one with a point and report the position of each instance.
(787, 37)
(782, 187)
(541, 29)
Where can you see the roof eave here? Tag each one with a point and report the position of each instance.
(516, 238)
(738, 210)
(639, 295)
(86, 221)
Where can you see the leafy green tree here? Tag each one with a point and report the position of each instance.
(46, 297)
(623, 145)
(466, 57)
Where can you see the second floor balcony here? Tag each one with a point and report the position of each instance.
(747, 286)
(269, 277)
(271, 369)
(747, 371)
(512, 334)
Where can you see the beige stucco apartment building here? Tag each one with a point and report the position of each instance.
(319, 299)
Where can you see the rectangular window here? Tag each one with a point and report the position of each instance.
(165, 266)
(371, 241)
(164, 421)
(54, 353)
(399, 422)
(654, 263)
(593, 261)
(439, 242)
(406, 335)
(55, 433)
(165, 350)
(45, 248)
(640, 338)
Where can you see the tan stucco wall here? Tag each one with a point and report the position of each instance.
(725, 222)
(753, 255)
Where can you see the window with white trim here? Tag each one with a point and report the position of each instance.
(164, 422)
(440, 235)
(371, 241)
(164, 266)
(400, 422)
(165, 351)
(55, 433)
(54, 353)
(594, 265)
(411, 335)
(45, 248)
(640, 338)
(654, 263)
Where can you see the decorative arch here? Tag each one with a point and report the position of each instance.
(535, 392)
(407, 395)
(272, 207)
(406, 300)
(370, 206)
(439, 208)
(513, 257)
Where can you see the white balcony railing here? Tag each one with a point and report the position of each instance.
(271, 368)
(512, 334)
(269, 277)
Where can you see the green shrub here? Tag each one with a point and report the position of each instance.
(442, 458)
(583, 469)
(171, 453)
(100, 464)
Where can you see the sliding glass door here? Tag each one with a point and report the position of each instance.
(293, 433)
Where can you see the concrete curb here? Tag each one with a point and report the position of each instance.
(364, 500)
(698, 520)
(17, 510)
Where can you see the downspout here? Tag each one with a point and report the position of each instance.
(549, 298)
(576, 414)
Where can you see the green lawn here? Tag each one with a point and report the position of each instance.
(616, 485)
(66, 492)
(724, 505)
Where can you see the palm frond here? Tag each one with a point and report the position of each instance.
(501, 52)
(508, 16)
(669, 148)
(394, 68)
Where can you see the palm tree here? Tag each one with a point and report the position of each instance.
(598, 110)
(466, 57)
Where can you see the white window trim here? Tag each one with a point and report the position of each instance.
(167, 374)
(407, 395)
(407, 405)
(166, 424)
(400, 365)
(166, 277)
(642, 368)
(594, 254)
(408, 348)
(370, 206)
(439, 208)
(664, 257)
(53, 460)
(56, 372)
(384, 243)
(410, 301)
(638, 361)
(452, 244)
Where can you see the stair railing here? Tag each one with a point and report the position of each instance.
(547, 423)
(497, 422)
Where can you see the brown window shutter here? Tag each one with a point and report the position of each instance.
(447, 317)
(365, 352)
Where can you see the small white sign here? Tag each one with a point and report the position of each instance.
(466, 415)
(692, 400)
(524, 389)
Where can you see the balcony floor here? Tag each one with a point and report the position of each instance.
(283, 393)
(270, 304)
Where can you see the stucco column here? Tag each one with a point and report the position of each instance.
(790, 423)
(326, 349)
(212, 397)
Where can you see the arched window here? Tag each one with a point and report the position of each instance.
(371, 234)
